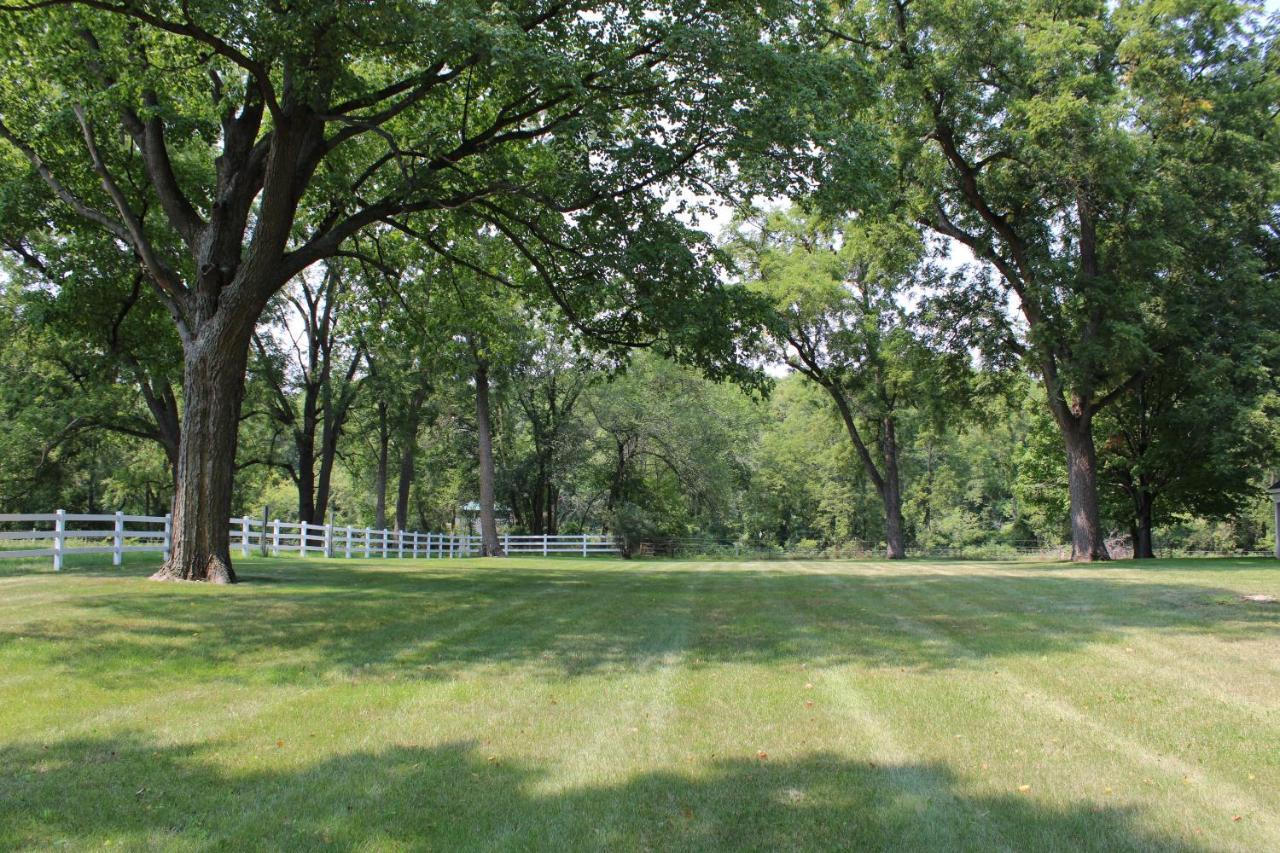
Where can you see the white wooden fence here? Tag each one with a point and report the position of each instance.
(153, 533)
(583, 543)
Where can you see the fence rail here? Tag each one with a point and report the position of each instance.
(136, 533)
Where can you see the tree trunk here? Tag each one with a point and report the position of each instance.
(553, 518)
(324, 479)
(489, 545)
(380, 484)
(1143, 543)
(405, 482)
(1087, 542)
(213, 388)
(888, 485)
(409, 451)
(305, 441)
(891, 493)
(536, 509)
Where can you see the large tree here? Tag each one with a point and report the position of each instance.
(841, 293)
(1081, 150)
(228, 147)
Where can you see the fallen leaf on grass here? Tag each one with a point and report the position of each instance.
(762, 755)
(1024, 788)
(279, 744)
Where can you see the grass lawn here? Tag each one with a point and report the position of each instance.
(575, 704)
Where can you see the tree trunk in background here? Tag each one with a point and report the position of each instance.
(380, 484)
(1087, 542)
(553, 520)
(324, 479)
(891, 493)
(405, 483)
(409, 453)
(305, 440)
(1143, 542)
(537, 510)
(212, 390)
(888, 484)
(489, 545)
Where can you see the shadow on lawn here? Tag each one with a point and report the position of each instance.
(89, 792)
(323, 621)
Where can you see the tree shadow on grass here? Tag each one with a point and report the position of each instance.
(323, 621)
(448, 797)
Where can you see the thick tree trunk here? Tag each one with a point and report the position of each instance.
(489, 545)
(1143, 543)
(213, 388)
(891, 494)
(1087, 542)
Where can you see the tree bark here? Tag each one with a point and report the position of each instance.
(1087, 542)
(489, 545)
(213, 388)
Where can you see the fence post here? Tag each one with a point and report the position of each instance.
(385, 534)
(168, 536)
(544, 544)
(367, 532)
(347, 546)
(399, 544)
(414, 534)
(506, 543)
(117, 540)
(59, 534)
(275, 538)
(262, 537)
(328, 541)
(244, 536)
(302, 541)
(584, 544)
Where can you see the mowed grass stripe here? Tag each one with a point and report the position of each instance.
(1044, 690)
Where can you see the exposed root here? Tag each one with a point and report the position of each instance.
(214, 570)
